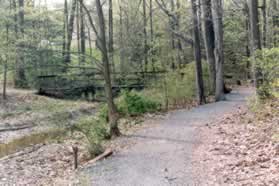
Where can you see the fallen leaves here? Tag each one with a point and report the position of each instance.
(239, 149)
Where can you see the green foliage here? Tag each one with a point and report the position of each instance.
(133, 103)
(177, 87)
(95, 132)
(267, 62)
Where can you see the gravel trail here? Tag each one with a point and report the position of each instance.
(162, 155)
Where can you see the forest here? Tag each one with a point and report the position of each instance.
(139, 92)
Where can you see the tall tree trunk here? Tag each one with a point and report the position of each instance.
(217, 15)
(122, 55)
(197, 53)
(247, 30)
(5, 80)
(111, 42)
(78, 31)
(65, 28)
(264, 8)
(178, 42)
(209, 39)
(173, 27)
(82, 35)
(113, 115)
(151, 20)
(256, 39)
(145, 36)
(20, 79)
(151, 33)
(275, 22)
(70, 32)
(89, 41)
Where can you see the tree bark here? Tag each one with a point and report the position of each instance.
(209, 39)
(173, 28)
(65, 28)
(82, 35)
(275, 22)
(197, 54)
(113, 115)
(145, 36)
(122, 55)
(78, 31)
(111, 42)
(247, 30)
(151, 33)
(70, 32)
(151, 20)
(178, 42)
(217, 15)
(264, 8)
(20, 78)
(256, 39)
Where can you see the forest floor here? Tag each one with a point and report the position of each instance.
(163, 154)
(34, 147)
(242, 148)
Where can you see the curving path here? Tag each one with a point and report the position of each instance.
(161, 155)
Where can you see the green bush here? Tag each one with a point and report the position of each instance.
(95, 131)
(267, 61)
(133, 103)
(177, 88)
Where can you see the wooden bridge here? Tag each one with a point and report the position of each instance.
(90, 85)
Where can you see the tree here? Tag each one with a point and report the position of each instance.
(275, 22)
(20, 77)
(121, 41)
(264, 14)
(65, 28)
(256, 39)
(102, 45)
(209, 39)
(113, 115)
(82, 35)
(197, 54)
(111, 43)
(70, 32)
(217, 14)
(145, 39)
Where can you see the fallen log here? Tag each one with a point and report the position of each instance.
(15, 128)
(104, 155)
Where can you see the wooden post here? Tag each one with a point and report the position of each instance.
(75, 150)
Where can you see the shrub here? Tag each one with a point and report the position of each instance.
(95, 132)
(267, 61)
(178, 87)
(133, 103)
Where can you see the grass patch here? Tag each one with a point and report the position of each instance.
(33, 139)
